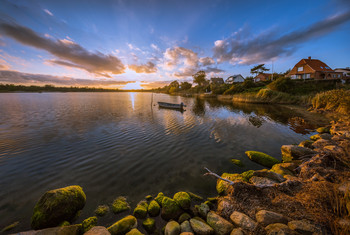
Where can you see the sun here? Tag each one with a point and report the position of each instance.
(133, 86)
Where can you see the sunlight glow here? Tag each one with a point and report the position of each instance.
(133, 86)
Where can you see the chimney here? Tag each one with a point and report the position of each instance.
(309, 57)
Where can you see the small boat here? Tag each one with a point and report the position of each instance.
(171, 106)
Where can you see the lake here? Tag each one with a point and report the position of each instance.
(115, 144)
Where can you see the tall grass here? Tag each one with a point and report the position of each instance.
(334, 100)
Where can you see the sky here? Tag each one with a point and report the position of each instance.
(149, 43)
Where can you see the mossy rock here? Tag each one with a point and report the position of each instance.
(170, 209)
(183, 199)
(247, 175)
(153, 208)
(213, 199)
(237, 162)
(148, 197)
(195, 196)
(140, 211)
(172, 228)
(322, 130)
(123, 226)
(279, 169)
(64, 223)
(315, 137)
(184, 217)
(10, 227)
(262, 158)
(58, 205)
(307, 144)
(202, 210)
(119, 205)
(102, 210)
(134, 231)
(149, 225)
(159, 198)
(88, 223)
(222, 186)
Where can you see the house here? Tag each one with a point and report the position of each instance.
(313, 69)
(345, 71)
(234, 78)
(217, 81)
(263, 77)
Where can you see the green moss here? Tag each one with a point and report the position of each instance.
(10, 227)
(183, 199)
(212, 199)
(184, 217)
(148, 197)
(210, 204)
(322, 130)
(153, 208)
(102, 210)
(123, 226)
(58, 205)
(170, 210)
(222, 186)
(247, 175)
(119, 205)
(140, 211)
(315, 137)
(64, 223)
(149, 225)
(195, 196)
(262, 158)
(279, 169)
(306, 144)
(134, 231)
(88, 223)
(159, 198)
(237, 162)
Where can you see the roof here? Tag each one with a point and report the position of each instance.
(264, 75)
(310, 66)
(346, 69)
(217, 80)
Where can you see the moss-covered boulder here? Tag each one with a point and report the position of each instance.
(262, 158)
(219, 224)
(140, 211)
(153, 208)
(222, 186)
(170, 209)
(306, 144)
(280, 169)
(88, 223)
(201, 227)
(119, 205)
(322, 130)
(247, 175)
(324, 136)
(210, 204)
(269, 175)
(58, 205)
(183, 200)
(237, 162)
(64, 223)
(202, 210)
(195, 196)
(123, 226)
(149, 197)
(184, 217)
(134, 231)
(102, 210)
(293, 152)
(159, 198)
(149, 225)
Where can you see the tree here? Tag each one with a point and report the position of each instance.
(199, 78)
(258, 69)
(174, 84)
(185, 85)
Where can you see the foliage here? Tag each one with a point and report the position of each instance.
(185, 86)
(258, 69)
(200, 78)
(281, 84)
(218, 88)
(334, 100)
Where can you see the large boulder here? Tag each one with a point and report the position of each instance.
(88, 223)
(200, 227)
(98, 230)
(262, 158)
(269, 217)
(119, 205)
(186, 227)
(183, 217)
(243, 221)
(219, 224)
(270, 175)
(153, 208)
(149, 225)
(172, 228)
(183, 200)
(159, 198)
(58, 205)
(283, 169)
(294, 152)
(202, 210)
(302, 226)
(222, 186)
(170, 209)
(123, 226)
(280, 229)
(140, 211)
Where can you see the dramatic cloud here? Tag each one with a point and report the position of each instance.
(214, 70)
(206, 61)
(247, 49)
(15, 77)
(149, 67)
(68, 52)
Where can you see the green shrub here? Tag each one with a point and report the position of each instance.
(281, 84)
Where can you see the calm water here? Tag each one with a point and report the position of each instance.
(116, 144)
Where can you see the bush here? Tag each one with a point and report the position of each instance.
(281, 84)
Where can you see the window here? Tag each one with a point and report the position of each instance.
(307, 75)
(334, 75)
(339, 76)
(300, 69)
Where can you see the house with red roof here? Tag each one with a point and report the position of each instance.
(263, 77)
(313, 69)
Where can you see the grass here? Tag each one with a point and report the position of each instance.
(335, 100)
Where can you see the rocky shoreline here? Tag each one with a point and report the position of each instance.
(307, 193)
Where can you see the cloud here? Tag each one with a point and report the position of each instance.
(48, 12)
(68, 52)
(4, 65)
(149, 67)
(214, 70)
(15, 77)
(155, 47)
(243, 48)
(206, 61)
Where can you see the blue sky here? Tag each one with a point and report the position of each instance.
(153, 42)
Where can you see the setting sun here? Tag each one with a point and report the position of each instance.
(133, 86)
